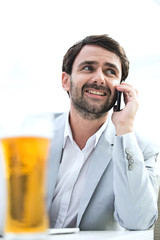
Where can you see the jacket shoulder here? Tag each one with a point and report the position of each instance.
(59, 120)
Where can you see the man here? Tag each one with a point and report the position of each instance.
(101, 173)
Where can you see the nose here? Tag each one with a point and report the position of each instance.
(99, 77)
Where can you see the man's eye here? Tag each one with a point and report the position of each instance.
(111, 72)
(88, 68)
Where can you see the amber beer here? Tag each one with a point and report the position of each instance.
(25, 159)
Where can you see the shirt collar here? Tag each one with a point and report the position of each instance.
(68, 132)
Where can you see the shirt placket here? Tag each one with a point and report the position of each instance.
(68, 189)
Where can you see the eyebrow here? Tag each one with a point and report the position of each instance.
(88, 63)
(112, 66)
(96, 63)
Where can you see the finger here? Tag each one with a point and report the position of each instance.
(128, 90)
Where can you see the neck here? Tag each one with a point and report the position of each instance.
(83, 128)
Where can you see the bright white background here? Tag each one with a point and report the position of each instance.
(35, 34)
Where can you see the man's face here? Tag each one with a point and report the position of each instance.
(95, 72)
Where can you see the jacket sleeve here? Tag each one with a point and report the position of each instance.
(134, 182)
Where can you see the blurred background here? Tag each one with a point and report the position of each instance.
(35, 34)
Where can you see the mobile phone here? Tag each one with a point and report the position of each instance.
(119, 94)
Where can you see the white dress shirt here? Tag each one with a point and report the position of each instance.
(71, 178)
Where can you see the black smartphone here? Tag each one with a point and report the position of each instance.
(119, 94)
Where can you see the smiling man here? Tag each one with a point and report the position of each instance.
(101, 174)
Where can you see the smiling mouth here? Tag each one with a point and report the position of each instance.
(95, 92)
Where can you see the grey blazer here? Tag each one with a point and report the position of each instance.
(120, 184)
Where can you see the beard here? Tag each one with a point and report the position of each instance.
(87, 109)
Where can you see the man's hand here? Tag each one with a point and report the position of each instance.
(124, 119)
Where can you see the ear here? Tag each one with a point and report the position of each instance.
(66, 81)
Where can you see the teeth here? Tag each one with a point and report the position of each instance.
(96, 92)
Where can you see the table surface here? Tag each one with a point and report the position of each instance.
(103, 235)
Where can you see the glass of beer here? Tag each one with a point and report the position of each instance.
(25, 147)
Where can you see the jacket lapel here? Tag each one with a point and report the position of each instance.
(99, 162)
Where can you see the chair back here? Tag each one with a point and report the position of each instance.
(157, 225)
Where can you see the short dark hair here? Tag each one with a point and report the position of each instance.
(103, 41)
